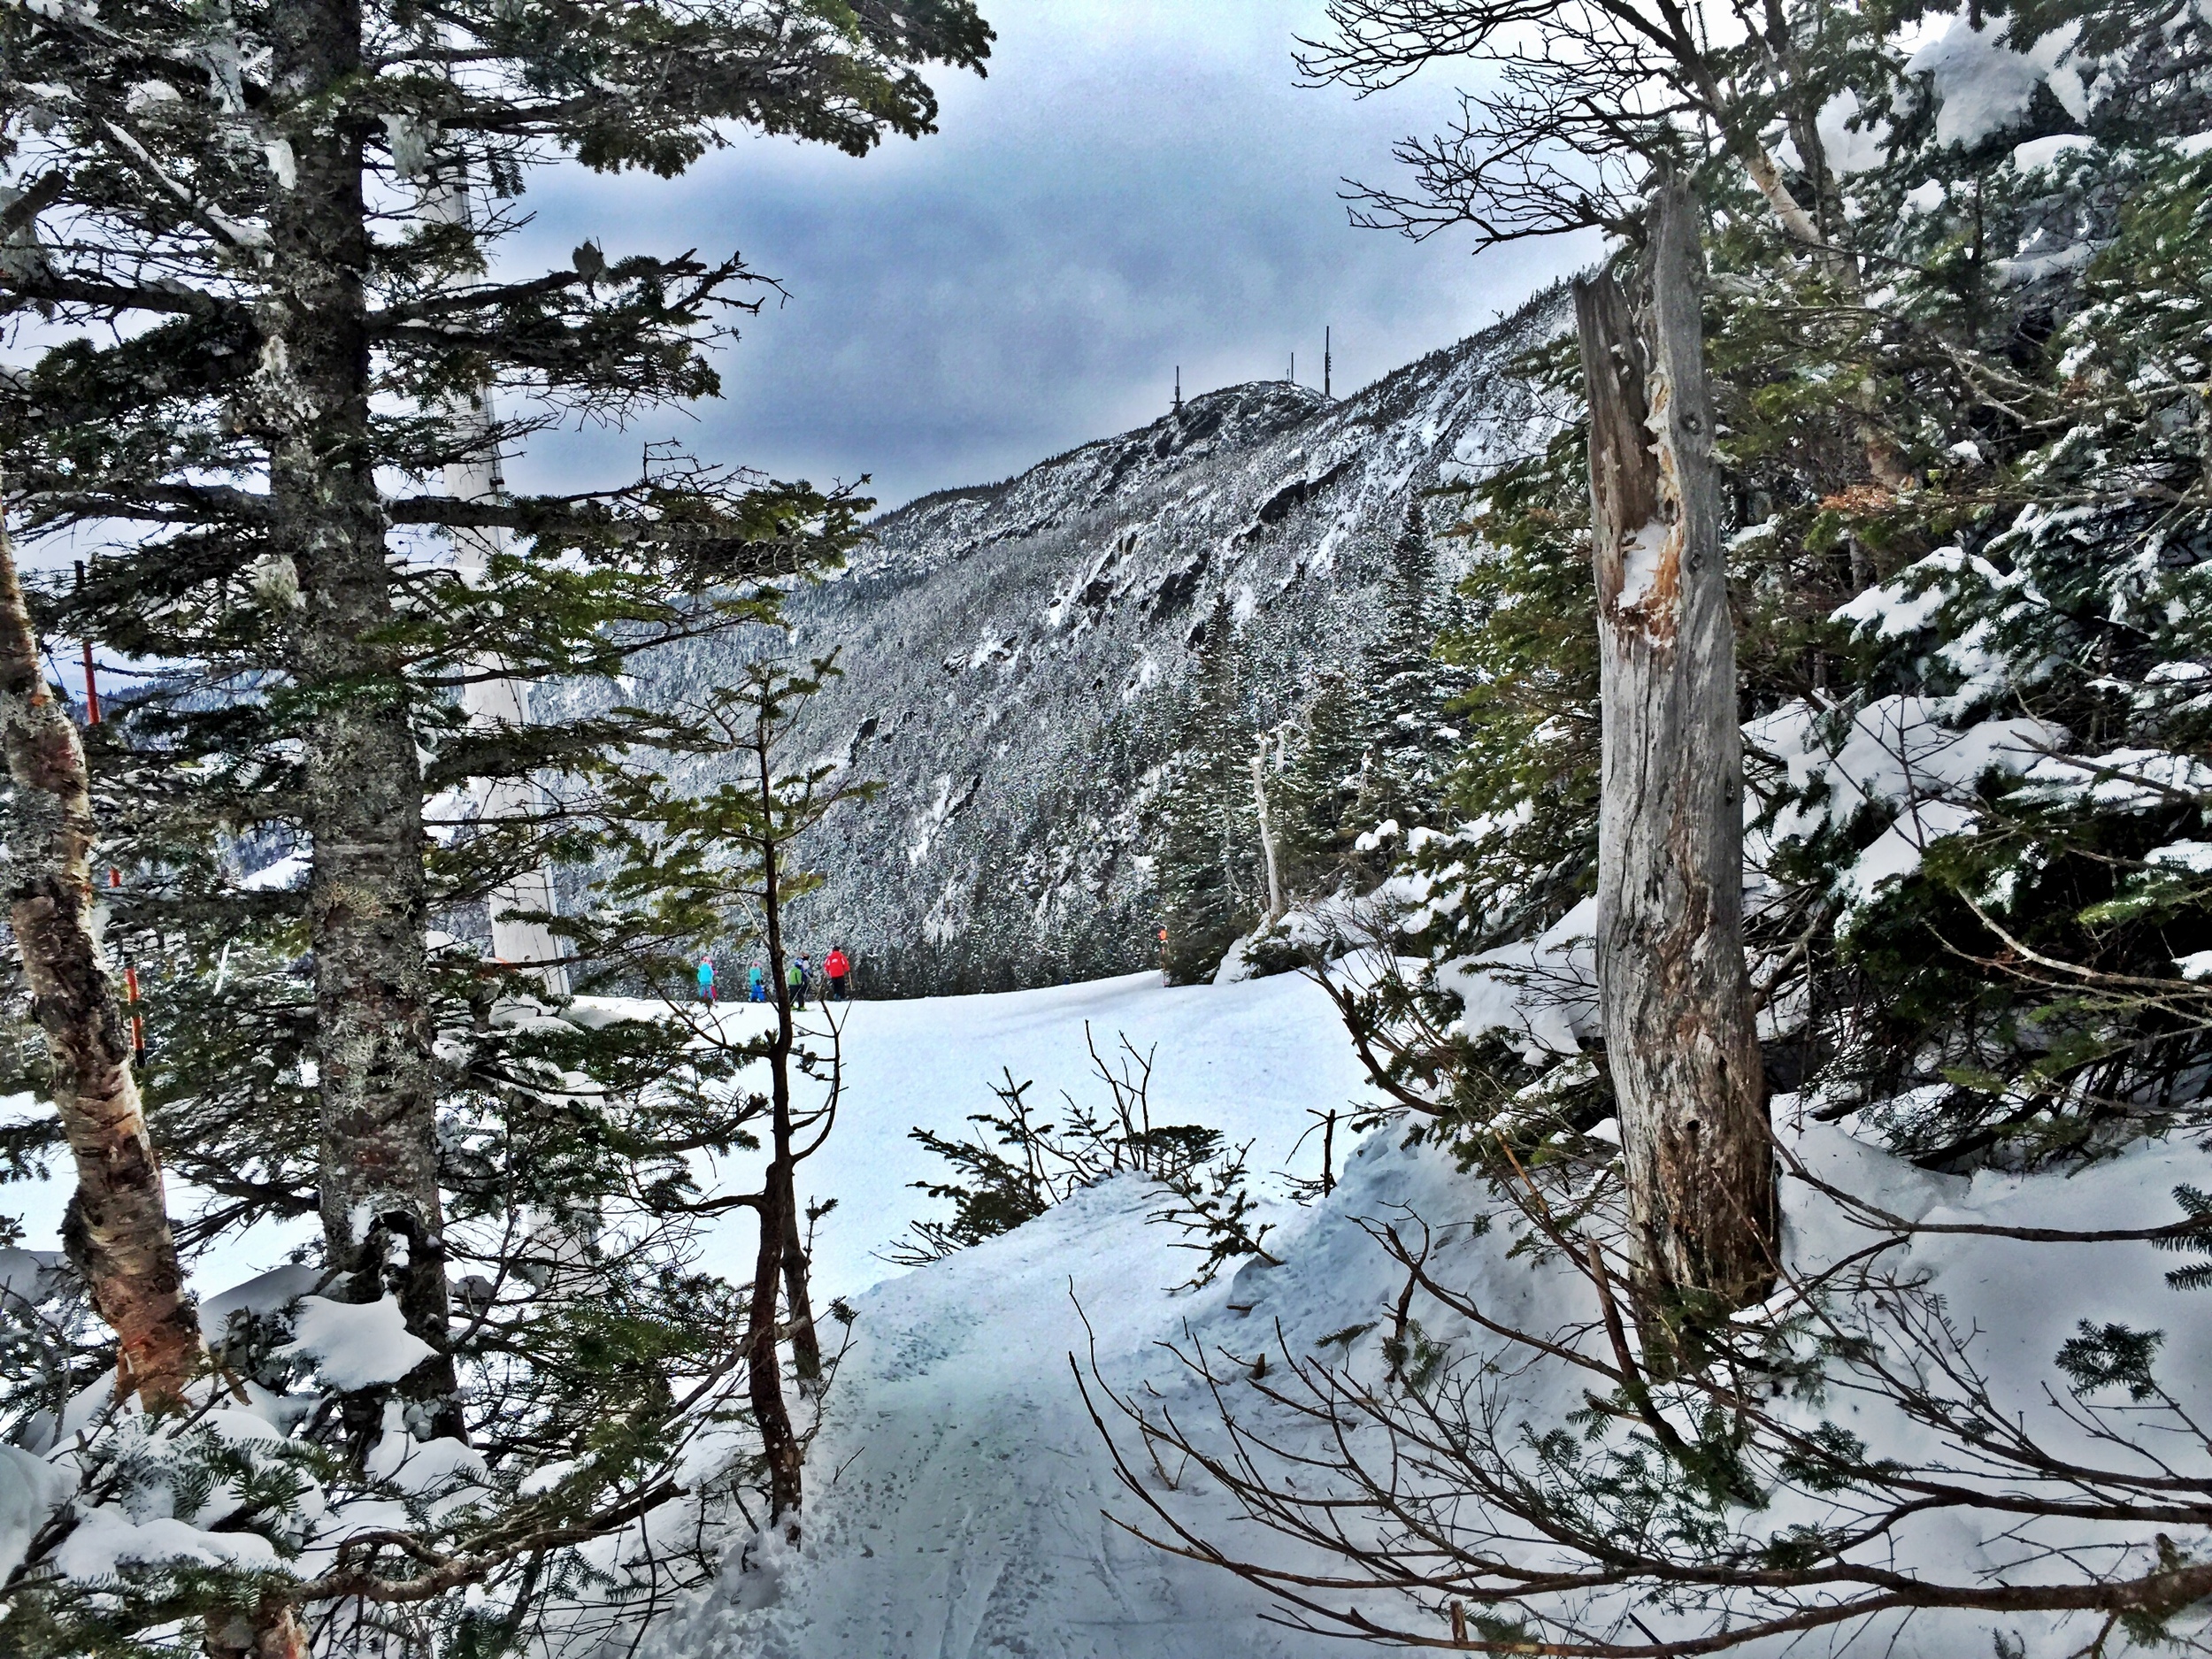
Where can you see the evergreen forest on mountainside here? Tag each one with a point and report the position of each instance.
(1563, 1005)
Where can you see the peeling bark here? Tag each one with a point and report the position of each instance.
(366, 896)
(117, 1230)
(271, 1631)
(1680, 1032)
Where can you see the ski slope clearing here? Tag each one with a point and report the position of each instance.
(1249, 1060)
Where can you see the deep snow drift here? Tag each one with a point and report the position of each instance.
(960, 1494)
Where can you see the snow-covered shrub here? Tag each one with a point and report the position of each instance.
(1021, 1164)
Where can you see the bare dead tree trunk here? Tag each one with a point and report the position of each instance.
(1267, 835)
(367, 901)
(1676, 999)
(118, 1232)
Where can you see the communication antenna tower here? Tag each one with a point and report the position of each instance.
(1178, 388)
(1328, 361)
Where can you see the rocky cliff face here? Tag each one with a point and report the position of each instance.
(1014, 654)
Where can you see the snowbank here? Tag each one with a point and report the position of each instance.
(961, 1492)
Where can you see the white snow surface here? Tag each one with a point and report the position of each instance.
(961, 1484)
(1246, 1059)
(356, 1345)
(1898, 752)
(30, 1487)
(961, 1495)
(1983, 86)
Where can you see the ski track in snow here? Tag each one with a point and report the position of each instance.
(960, 1486)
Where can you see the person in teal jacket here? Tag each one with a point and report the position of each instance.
(756, 986)
(706, 982)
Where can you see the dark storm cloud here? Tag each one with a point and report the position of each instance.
(1135, 186)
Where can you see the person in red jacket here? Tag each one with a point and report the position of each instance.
(835, 966)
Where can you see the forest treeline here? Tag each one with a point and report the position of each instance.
(271, 347)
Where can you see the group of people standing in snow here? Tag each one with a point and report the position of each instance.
(798, 975)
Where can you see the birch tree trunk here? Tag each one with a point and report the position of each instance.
(1679, 1033)
(366, 897)
(117, 1229)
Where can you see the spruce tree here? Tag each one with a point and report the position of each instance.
(1373, 747)
(255, 244)
(1407, 689)
(1207, 847)
(1323, 780)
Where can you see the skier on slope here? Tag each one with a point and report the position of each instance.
(706, 980)
(756, 984)
(835, 966)
(794, 979)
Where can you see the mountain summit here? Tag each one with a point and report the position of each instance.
(1014, 654)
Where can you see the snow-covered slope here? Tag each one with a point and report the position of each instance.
(1012, 653)
(961, 1492)
(960, 1509)
(1248, 1060)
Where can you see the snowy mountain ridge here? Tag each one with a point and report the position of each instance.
(1013, 654)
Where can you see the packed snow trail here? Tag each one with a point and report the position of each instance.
(959, 1493)
(956, 1510)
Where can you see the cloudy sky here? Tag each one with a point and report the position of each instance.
(1137, 183)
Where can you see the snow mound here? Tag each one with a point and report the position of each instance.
(963, 1499)
(356, 1345)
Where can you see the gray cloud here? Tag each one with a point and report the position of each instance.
(1135, 186)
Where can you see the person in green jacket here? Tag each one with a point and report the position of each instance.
(794, 978)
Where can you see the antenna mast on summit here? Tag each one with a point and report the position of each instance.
(1294, 368)
(1328, 362)
(1178, 388)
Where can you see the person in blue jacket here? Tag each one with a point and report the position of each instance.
(756, 986)
(706, 980)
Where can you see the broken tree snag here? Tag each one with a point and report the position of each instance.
(1680, 1035)
(117, 1227)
